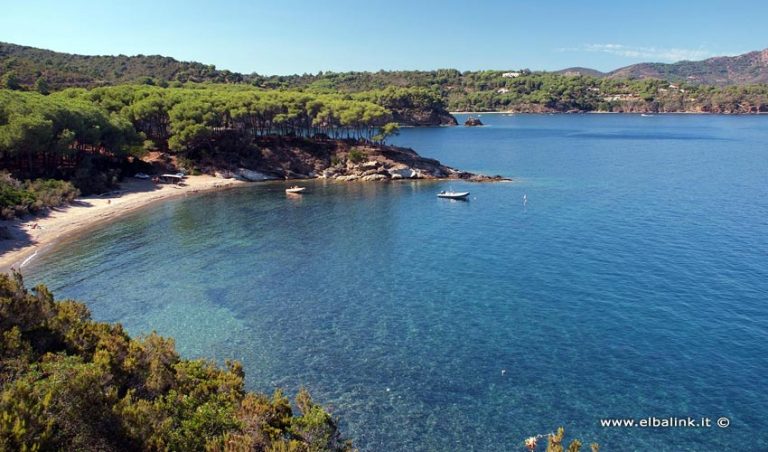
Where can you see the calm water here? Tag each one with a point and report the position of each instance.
(633, 284)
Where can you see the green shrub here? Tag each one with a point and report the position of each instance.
(69, 383)
(51, 192)
(356, 155)
(18, 199)
(14, 199)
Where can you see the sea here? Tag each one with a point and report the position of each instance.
(621, 276)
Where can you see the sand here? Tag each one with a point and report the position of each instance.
(32, 236)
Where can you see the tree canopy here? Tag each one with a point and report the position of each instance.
(68, 132)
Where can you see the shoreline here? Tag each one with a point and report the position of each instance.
(595, 112)
(23, 239)
(27, 242)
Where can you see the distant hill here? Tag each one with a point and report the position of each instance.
(61, 70)
(687, 86)
(576, 71)
(749, 68)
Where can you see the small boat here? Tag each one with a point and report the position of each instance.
(295, 189)
(453, 194)
(141, 176)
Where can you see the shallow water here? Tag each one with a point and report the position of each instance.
(634, 283)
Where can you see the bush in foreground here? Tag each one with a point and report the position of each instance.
(69, 383)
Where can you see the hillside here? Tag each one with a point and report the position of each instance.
(576, 71)
(749, 68)
(420, 98)
(61, 70)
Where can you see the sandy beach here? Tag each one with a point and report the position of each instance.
(33, 235)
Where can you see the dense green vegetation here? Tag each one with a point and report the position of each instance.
(69, 383)
(20, 198)
(28, 65)
(627, 89)
(90, 136)
(194, 117)
(61, 137)
(526, 91)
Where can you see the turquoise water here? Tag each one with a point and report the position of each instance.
(633, 284)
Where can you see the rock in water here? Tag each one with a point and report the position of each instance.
(472, 122)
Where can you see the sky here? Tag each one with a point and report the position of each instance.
(294, 37)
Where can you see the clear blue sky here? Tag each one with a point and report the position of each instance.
(286, 37)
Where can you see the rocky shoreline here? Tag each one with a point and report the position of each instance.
(744, 110)
(429, 117)
(339, 160)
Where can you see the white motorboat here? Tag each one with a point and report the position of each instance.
(295, 189)
(453, 194)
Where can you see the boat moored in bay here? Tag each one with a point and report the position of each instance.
(453, 194)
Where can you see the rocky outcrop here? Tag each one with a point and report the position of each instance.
(423, 117)
(340, 160)
(403, 173)
(473, 122)
(253, 176)
(393, 163)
